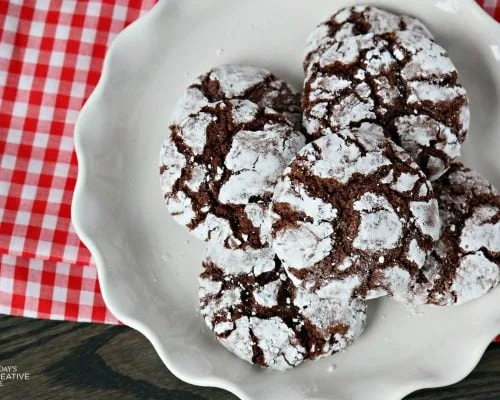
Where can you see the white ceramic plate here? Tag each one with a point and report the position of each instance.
(148, 265)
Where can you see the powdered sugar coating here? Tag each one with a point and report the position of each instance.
(340, 207)
(231, 81)
(380, 226)
(355, 21)
(395, 281)
(253, 160)
(402, 81)
(465, 263)
(236, 262)
(481, 230)
(266, 320)
(219, 166)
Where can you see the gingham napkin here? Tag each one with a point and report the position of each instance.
(51, 54)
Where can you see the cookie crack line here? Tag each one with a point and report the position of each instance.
(283, 331)
(456, 273)
(300, 237)
(375, 202)
(376, 82)
(230, 127)
(314, 184)
(219, 210)
(358, 20)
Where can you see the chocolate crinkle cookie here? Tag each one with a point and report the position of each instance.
(258, 314)
(354, 207)
(358, 20)
(219, 167)
(402, 81)
(466, 261)
(231, 81)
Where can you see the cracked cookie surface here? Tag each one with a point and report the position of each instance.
(466, 261)
(358, 20)
(402, 81)
(218, 169)
(258, 314)
(354, 206)
(231, 81)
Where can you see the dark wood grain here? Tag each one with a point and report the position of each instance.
(86, 361)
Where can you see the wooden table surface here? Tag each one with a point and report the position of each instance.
(86, 361)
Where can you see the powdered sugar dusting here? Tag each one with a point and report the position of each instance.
(427, 58)
(307, 242)
(203, 184)
(258, 214)
(322, 311)
(354, 79)
(389, 178)
(417, 131)
(340, 289)
(239, 340)
(296, 195)
(209, 287)
(386, 91)
(347, 263)
(383, 21)
(475, 276)
(425, 91)
(305, 245)
(405, 182)
(341, 160)
(244, 112)
(345, 52)
(213, 228)
(194, 131)
(255, 159)
(274, 339)
(192, 101)
(236, 261)
(380, 226)
(223, 327)
(464, 264)
(424, 189)
(479, 231)
(180, 207)
(267, 295)
(326, 85)
(327, 311)
(342, 15)
(352, 108)
(378, 61)
(218, 302)
(316, 38)
(271, 319)
(327, 224)
(397, 282)
(416, 254)
(426, 217)
(171, 163)
(198, 176)
(234, 80)
(349, 21)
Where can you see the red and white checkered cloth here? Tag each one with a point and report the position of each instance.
(51, 55)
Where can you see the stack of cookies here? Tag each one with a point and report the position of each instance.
(311, 206)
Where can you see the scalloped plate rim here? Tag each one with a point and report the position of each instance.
(94, 248)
